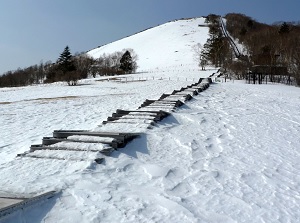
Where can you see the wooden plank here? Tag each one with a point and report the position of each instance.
(186, 97)
(114, 143)
(137, 128)
(97, 160)
(120, 111)
(190, 91)
(174, 103)
(206, 80)
(137, 117)
(159, 113)
(163, 96)
(149, 109)
(68, 154)
(205, 85)
(142, 114)
(130, 121)
(6, 201)
(117, 135)
(162, 105)
(104, 151)
(147, 102)
(199, 89)
(25, 203)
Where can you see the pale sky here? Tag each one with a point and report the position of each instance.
(38, 30)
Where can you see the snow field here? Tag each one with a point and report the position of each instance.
(29, 114)
(229, 155)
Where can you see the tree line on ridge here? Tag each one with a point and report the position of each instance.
(71, 68)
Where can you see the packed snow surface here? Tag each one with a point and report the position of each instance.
(231, 154)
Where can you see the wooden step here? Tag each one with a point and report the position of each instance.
(163, 96)
(181, 96)
(141, 114)
(176, 103)
(102, 150)
(147, 102)
(65, 152)
(120, 111)
(204, 85)
(24, 202)
(138, 117)
(48, 155)
(165, 109)
(130, 121)
(199, 89)
(125, 137)
(190, 91)
(176, 91)
(159, 113)
(134, 128)
(168, 108)
(101, 140)
(206, 80)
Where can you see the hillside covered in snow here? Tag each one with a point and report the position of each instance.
(230, 154)
(166, 46)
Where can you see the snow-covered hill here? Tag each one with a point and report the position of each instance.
(231, 154)
(162, 47)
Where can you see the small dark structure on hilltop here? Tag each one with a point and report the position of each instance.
(264, 73)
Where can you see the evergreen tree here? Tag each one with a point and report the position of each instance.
(65, 61)
(126, 63)
(66, 68)
(284, 28)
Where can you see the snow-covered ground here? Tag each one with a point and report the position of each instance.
(231, 154)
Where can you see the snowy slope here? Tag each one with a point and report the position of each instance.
(229, 155)
(164, 47)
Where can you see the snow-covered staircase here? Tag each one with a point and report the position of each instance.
(79, 145)
(94, 145)
(115, 132)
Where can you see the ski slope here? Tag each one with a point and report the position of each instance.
(166, 46)
(231, 154)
